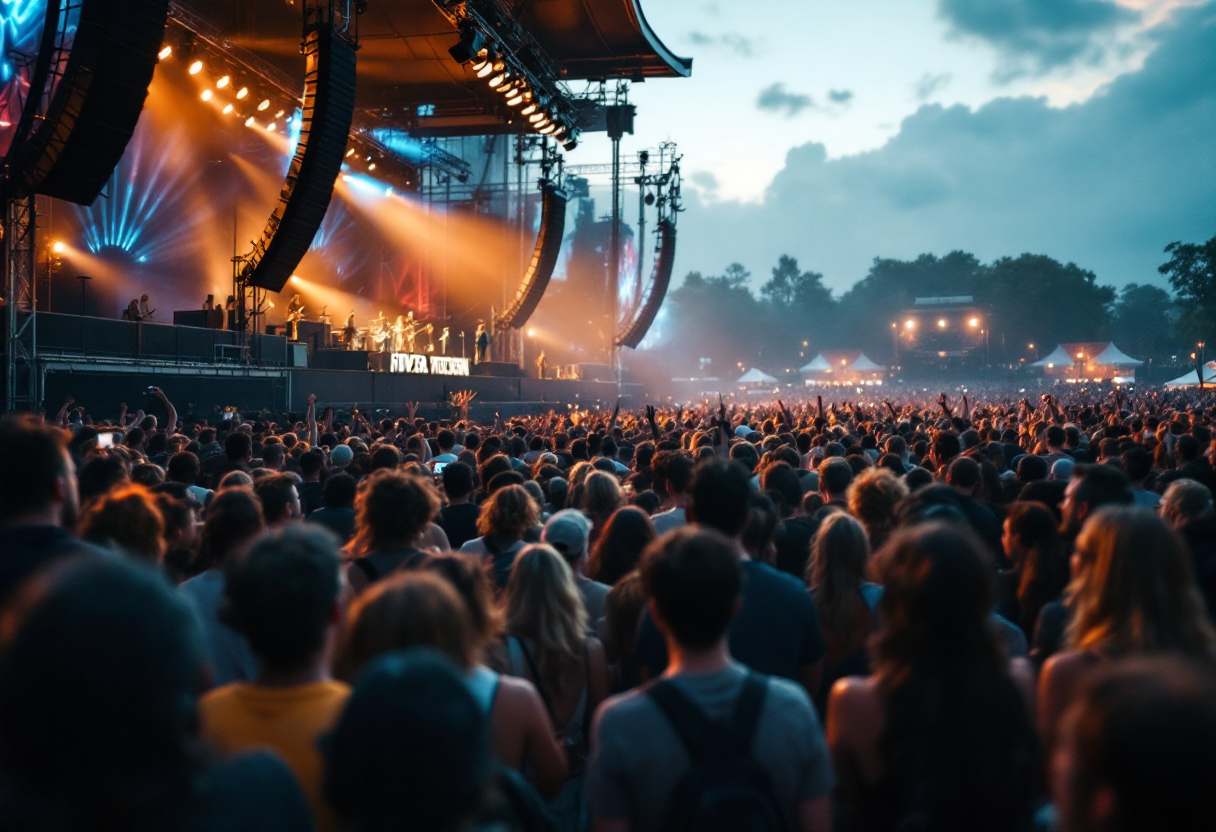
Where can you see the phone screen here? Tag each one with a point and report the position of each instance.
(105, 439)
(439, 466)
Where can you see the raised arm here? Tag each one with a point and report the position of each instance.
(62, 418)
(170, 412)
(312, 420)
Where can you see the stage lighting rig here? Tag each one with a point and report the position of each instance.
(512, 63)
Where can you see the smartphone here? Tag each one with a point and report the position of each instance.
(229, 415)
(439, 466)
(105, 439)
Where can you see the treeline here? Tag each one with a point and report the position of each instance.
(1031, 299)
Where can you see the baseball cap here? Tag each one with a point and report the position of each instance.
(567, 532)
(341, 455)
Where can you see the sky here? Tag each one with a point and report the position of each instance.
(838, 131)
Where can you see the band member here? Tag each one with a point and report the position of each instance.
(131, 313)
(350, 332)
(482, 341)
(209, 303)
(295, 313)
(401, 332)
(324, 316)
(143, 308)
(429, 329)
(411, 331)
(542, 364)
(443, 340)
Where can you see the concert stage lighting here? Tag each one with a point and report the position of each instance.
(974, 322)
(372, 166)
(271, 127)
(228, 108)
(165, 53)
(531, 108)
(223, 82)
(59, 247)
(196, 67)
(241, 93)
(516, 99)
(280, 114)
(350, 153)
(265, 105)
(941, 324)
(206, 96)
(909, 324)
(483, 57)
(249, 122)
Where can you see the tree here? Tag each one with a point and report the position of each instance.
(801, 311)
(1192, 273)
(1142, 320)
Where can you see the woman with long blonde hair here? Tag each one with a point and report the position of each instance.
(601, 497)
(547, 644)
(1133, 592)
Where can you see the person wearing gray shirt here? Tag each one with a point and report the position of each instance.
(638, 760)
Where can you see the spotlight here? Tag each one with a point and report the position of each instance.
(544, 122)
(228, 108)
(548, 128)
(242, 92)
(207, 95)
(483, 58)
(279, 114)
(59, 247)
(271, 127)
(372, 166)
(491, 65)
(941, 324)
(497, 80)
(974, 322)
(515, 99)
(350, 153)
(468, 47)
(909, 324)
(650, 199)
(265, 105)
(164, 53)
(530, 109)
(536, 117)
(223, 82)
(249, 122)
(196, 67)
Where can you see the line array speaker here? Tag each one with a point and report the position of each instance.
(96, 104)
(544, 258)
(656, 291)
(329, 107)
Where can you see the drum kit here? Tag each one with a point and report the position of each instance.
(382, 335)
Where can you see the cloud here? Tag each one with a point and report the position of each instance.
(740, 45)
(930, 83)
(1037, 36)
(776, 99)
(840, 96)
(704, 180)
(1106, 184)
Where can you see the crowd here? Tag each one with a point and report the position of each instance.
(913, 615)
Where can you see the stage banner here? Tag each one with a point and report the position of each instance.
(404, 362)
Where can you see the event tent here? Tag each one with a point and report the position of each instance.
(754, 376)
(1191, 379)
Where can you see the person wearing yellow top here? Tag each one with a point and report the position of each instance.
(285, 597)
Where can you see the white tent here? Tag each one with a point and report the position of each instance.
(818, 364)
(1058, 356)
(1112, 356)
(754, 376)
(1191, 379)
(864, 365)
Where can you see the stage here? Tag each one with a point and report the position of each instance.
(103, 364)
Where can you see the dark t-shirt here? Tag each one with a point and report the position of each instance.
(340, 521)
(27, 550)
(311, 498)
(459, 523)
(792, 540)
(776, 631)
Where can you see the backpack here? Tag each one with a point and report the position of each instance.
(725, 788)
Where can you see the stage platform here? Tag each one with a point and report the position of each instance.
(104, 363)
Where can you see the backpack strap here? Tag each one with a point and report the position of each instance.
(747, 714)
(540, 687)
(687, 720)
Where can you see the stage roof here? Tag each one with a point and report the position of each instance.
(404, 62)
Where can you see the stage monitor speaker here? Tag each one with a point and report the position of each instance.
(652, 299)
(329, 107)
(97, 102)
(544, 258)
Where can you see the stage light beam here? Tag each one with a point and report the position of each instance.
(196, 67)
(223, 82)
(241, 93)
(59, 247)
(207, 94)
(265, 105)
(165, 53)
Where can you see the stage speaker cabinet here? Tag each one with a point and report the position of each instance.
(656, 290)
(544, 258)
(298, 356)
(96, 104)
(329, 107)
